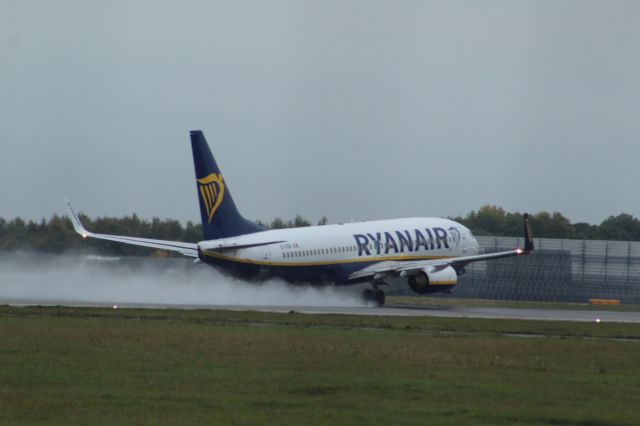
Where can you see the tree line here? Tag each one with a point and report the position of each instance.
(494, 221)
(56, 235)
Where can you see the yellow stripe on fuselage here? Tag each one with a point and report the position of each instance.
(320, 263)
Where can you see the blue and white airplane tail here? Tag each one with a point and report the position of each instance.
(220, 216)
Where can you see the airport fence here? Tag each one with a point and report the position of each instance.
(558, 270)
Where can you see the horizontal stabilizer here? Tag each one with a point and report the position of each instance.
(227, 245)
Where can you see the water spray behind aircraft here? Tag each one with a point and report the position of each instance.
(68, 279)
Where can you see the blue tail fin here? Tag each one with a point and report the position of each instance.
(220, 217)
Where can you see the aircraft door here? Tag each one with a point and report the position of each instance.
(266, 257)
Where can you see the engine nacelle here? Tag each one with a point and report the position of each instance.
(432, 280)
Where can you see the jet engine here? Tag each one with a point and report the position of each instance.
(433, 279)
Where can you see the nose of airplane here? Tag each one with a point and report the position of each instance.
(473, 247)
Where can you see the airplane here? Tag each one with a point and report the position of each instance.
(429, 253)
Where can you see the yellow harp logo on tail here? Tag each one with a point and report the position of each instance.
(212, 192)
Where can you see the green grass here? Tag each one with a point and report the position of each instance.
(105, 366)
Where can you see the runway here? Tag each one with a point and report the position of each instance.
(389, 310)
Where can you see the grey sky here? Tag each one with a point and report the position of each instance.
(349, 109)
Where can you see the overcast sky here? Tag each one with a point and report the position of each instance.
(345, 109)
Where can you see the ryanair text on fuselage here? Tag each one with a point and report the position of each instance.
(432, 239)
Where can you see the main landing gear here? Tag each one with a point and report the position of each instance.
(375, 294)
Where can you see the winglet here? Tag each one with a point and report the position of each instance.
(75, 221)
(528, 235)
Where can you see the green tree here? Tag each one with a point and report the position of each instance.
(277, 223)
(554, 225)
(622, 227)
(299, 222)
(487, 221)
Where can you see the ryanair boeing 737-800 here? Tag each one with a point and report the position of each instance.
(430, 253)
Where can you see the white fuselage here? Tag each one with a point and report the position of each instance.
(339, 250)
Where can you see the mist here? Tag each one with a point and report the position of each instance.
(86, 279)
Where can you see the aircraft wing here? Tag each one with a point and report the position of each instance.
(393, 268)
(187, 249)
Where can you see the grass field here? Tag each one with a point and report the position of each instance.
(131, 366)
(489, 303)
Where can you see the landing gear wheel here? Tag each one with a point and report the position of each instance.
(367, 295)
(376, 296)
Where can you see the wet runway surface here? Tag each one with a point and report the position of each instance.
(389, 310)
